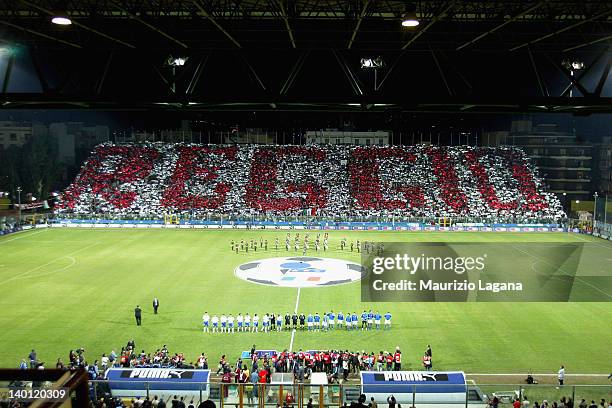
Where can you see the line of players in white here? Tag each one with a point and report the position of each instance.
(316, 244)
(270, 322)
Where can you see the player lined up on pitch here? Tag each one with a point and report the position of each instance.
(305, 244)
(268, 322)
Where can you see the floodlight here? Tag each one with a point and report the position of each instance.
(574, 65)
(61, 20)
(372, 63)
(577, 65)
(409, 19)
(176, 62)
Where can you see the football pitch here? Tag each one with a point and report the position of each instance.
(66, 288)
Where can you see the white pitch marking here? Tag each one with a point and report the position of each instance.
(599, 244)
(48, 263)
(21, 236)
(546, 375)
(63, 268)
(297, 303)
(561, 269)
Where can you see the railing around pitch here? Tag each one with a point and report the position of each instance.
(298, 395)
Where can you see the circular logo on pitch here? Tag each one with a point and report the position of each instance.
(300, 272)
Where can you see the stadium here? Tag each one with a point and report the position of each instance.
(305, 203)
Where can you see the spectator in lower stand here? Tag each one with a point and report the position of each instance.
(289, 399)
(263, 376)
(516, 403)
(59, 364)
(207, 404)
(391, 401)
(32, 358)
(104, 360)
(255, 382)
(345, 368)
(300, 373)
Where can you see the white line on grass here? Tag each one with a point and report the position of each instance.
(54, 271)
(599, 244)
(21, 236)
(297, 301)
(566, 273)
(545, 375)
(22, 274)
(297, 304)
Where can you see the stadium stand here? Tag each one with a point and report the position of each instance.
(150, 180)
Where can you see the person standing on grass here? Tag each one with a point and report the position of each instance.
(279, 322)
(427, 362)
(387, 321)
(155, 305)
(138, 315)
(397, 357)
(205, 322)
(561, 375)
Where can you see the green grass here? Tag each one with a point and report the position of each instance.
(61, 289)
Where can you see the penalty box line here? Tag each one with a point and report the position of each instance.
(297, 304)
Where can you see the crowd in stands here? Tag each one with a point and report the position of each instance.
(329, 180)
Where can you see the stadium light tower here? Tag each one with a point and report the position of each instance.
(19, 190)
(174, 63)
(595, 209)
(572, 67)
(373, 64)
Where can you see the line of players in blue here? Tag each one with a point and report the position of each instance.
(369, 320)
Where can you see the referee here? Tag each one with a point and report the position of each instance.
(138, 315)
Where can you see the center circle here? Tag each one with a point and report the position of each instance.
(300, 272)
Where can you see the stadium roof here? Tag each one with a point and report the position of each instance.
(464, 56)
